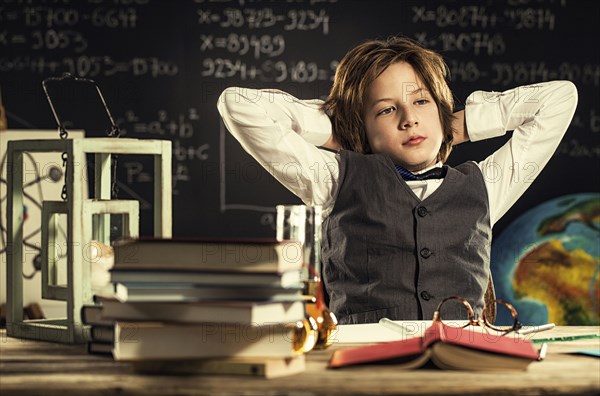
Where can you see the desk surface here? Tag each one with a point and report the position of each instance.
(33, 367)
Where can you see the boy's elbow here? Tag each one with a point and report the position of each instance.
(238, 103)
(227, 100)
(570, 87)
(569, 90)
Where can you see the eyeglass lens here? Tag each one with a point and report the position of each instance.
(507, 317)
(455, 312)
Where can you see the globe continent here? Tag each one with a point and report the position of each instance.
(547, 262)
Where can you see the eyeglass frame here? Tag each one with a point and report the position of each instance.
(481, 321)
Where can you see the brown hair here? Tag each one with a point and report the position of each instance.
(361, 66)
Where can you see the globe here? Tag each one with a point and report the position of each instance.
(546, 263)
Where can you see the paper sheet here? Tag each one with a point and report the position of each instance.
(374, 332)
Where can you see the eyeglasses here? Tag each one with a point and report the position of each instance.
(478, 321)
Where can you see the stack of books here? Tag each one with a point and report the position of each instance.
(211, 306)
(102, 331)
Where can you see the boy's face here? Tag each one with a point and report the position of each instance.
(402, 119)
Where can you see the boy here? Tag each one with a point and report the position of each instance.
(402, 231)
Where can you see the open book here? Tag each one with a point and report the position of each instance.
(447, 348)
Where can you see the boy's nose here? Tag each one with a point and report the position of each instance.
(408, 121)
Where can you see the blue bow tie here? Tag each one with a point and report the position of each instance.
(435, 173)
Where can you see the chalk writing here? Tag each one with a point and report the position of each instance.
(251, 18)
(101, 17)
(268, 71)
(242, 44)
(576, 149)
(522, 72)
(464, 16)
(90, 66)
(531, 18)
(477, 16)
(179, 128)
(477, 43)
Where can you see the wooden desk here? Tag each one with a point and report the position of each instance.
(34, 368)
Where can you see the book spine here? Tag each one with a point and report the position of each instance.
(139, 341)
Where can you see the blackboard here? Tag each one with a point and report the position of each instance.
(162, 65)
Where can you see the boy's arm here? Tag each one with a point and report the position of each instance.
(539, 114)
(281, 133)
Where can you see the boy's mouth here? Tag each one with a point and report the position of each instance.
(414, 140)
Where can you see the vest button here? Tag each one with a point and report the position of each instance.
(425, 253)
(422, 211)
(426, 296)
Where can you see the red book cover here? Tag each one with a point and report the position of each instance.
(415, 352)
(509, 344)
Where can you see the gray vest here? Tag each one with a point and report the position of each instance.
(386, 253)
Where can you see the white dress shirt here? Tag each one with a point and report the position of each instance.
(282, 132)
